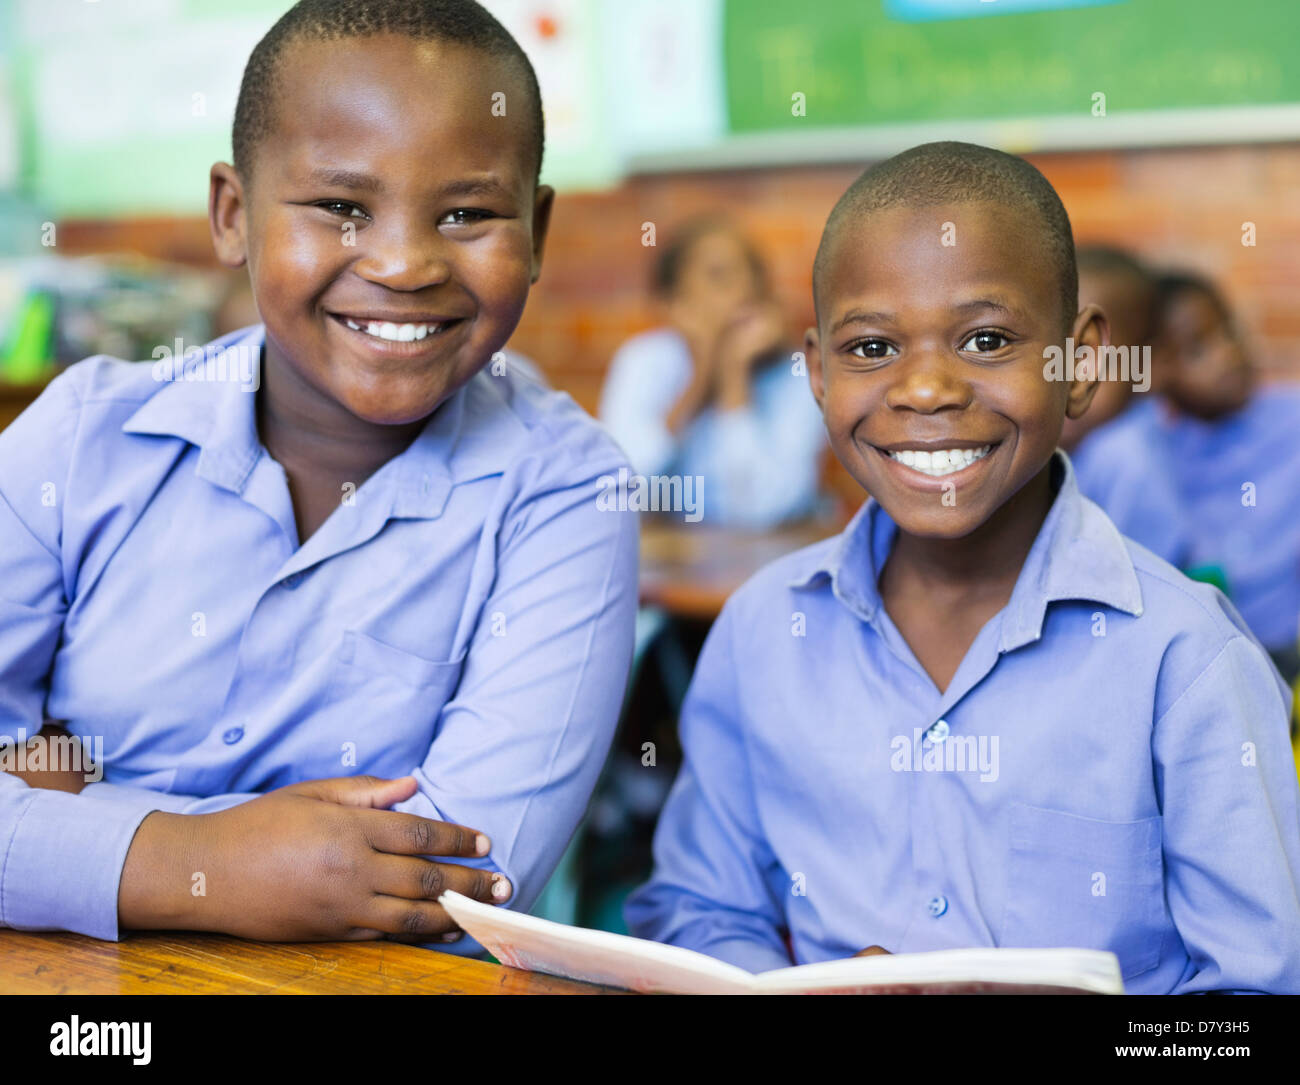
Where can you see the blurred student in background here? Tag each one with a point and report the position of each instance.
(1116, 456)
(1234, 449)
(715, 393)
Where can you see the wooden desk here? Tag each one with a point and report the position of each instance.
(168, 964)
(689, 569)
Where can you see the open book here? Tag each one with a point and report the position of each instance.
(538, 945)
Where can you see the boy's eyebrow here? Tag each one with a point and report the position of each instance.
(364, 182)
(360, 182)
(862, 316)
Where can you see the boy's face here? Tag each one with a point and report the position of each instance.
(1208, 373)
(388, 194)
(924, 348)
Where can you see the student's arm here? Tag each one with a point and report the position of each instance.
(711, 890)
(642, 392)
(1228, 796)
(316, 860)
(520, 745)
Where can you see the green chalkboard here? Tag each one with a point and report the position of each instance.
(865, 62)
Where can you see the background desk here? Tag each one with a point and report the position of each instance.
(688, 570)
(166, 964)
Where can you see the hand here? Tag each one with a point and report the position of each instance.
(54, 777)
(754, 335)
(317, 861)
(872, 951)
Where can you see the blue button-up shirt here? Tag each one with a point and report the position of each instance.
(1125, 466)
(1109, 768)
(760, 463)
(466, 616)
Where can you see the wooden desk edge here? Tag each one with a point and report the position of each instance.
(53, 963)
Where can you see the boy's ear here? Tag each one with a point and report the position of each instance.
(542, 205)
(812, 352)
(1091, 329)
(226, 217)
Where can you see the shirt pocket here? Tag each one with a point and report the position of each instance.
(393, 677)
(1079, 882)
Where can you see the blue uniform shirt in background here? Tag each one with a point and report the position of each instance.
(760, 463)
(1240, 480)
(465, 616)
(1109, 769)
(1125, 467)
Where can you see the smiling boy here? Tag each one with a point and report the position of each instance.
(386, 561)
(1142, 801)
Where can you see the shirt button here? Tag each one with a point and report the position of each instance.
(291, 581)
(938, 905)
(939, 731)
(232, 736)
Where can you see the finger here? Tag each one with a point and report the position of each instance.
(409, 920)
(410, 834)
(872, 951)
(363, 791)
(416, 879)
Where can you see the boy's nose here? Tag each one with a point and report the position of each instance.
(404, 259)
(927, 383)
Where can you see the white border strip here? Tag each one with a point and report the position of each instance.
(1024, 135)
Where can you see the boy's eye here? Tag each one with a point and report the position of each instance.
(341, 207)
(985, 342)
(872, 348)
(465, 216)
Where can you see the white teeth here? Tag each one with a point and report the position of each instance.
(397, 333)
(944, 462)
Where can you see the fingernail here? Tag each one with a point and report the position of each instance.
(500, 886)
(482, 844)
(452, 936)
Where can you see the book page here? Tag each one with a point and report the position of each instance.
(955, 971)
(616, 960)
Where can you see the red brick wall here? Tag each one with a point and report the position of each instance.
(1184, 205)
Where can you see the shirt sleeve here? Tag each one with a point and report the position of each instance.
(769, 452)
(711, 887)
(643, 384)
(518, 748)
(1229, 800)
(61, 855)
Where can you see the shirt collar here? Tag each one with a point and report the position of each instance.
(474, 434)
(1079, 554)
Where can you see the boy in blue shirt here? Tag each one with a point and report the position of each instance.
(1233, 451)
(363, 553)
(979, 716)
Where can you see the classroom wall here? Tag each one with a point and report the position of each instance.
(1182, 206)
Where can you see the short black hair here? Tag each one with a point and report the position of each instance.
(950, 172)
(674, 255)
(1172, 284)
(460, 22)
(1119, 263)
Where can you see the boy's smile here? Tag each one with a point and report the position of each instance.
(929, 361)
(392, 225)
